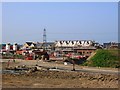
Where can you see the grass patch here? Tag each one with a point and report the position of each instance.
(104, 58)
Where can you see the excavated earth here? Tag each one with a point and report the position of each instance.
(59, 79)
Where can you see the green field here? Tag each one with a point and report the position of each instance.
(104, 58)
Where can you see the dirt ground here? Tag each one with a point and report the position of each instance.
(56, 79)
(60, 79)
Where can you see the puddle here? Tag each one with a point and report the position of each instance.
(12, 72)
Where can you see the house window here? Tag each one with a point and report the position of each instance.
(80, 53)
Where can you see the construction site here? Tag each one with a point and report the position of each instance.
(55, 65)
(39, 74)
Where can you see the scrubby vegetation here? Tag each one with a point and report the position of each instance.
(104, 58)
(11, 56)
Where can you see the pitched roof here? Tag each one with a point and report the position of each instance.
(29, 43)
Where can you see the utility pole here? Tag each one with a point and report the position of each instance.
(44, 39)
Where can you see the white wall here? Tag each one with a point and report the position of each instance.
(73, 43)
(8, 46)
(15, 47)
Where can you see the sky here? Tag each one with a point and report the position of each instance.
(25, 21)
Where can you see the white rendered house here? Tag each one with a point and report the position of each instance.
(7, 46)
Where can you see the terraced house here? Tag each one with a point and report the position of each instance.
(83, 47)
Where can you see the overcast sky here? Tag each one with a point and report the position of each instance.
(25, 21)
